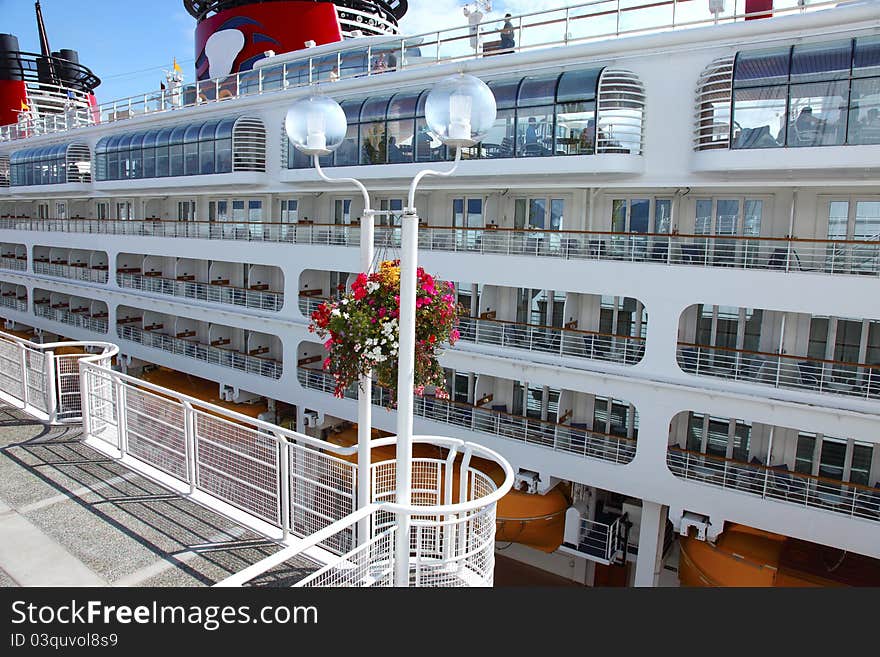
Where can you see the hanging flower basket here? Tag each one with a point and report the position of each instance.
(360, 330)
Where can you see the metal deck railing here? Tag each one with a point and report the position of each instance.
(780, 254)
(535, 338)
(559, 437)
(45, 383)
(782, 370)
(69, 271)
(260, 366)
(221, 294)
(776, 483)
(287, 486)
(582, 23)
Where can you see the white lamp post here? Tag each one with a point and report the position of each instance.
(317, 126)
(460, 110)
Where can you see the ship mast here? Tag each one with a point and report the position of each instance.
(44, 44)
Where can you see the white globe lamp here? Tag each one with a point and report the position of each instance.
(316, 125)
(460, 110)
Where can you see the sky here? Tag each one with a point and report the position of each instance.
(129, 45)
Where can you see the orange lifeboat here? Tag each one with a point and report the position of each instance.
(744, 556)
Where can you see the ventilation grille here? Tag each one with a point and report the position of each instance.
(712, 113)
(4, 171)
(79, 164)
(620, 113)
(249, 145)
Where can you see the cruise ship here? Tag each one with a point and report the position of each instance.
(666, 251)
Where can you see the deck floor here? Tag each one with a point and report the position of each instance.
(69, 516)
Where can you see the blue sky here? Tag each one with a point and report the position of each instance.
(129, 45)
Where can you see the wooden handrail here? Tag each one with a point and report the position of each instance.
(770, 468)
(676, 236)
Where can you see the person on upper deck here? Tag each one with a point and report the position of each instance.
(507, 40)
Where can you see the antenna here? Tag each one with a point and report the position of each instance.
(479, 6)
(44, 45)
(475, 12)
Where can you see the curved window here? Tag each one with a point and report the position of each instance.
(547, 115)
(50, 165)
(814, 94)
(191, 150)
(373, 136)
(401, 127)
(184, 150)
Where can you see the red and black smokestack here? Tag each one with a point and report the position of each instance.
(13, 91)
(253, 27)
(22, 71)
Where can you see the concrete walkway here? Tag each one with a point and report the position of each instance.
(71, 517)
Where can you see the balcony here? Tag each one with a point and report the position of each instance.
(780, 254)
(212, 355)
(558, 437)
(220, 294)
(776, 483)
(781, 370)
(15, 264)
(77, 273)
(13, 302)
(65, 316)
(623, 349)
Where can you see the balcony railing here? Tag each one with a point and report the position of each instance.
(14, 303)
(582, 23)
(782, 254)
(782, 370)
(213, 355)
(68, 271)
(776, 483)
(222, 294)
(80, 320)
(535, 338)
(550, 339)
(13, 263)
(559, 437)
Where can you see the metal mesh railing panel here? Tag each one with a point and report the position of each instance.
(11, 379)
(368, 565)
(155, 432)
(323, 491)
(67, 385)
(238, 464)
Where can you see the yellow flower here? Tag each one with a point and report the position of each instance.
(389, 273)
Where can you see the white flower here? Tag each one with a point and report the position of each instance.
(372, 286)
(344, 301)
(335, 312)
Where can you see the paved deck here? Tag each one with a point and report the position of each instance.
(71, 517)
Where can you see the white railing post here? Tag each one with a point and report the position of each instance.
(50, 390)
(284, 474)
(121, 423)
(189, 433)
(25, 394)
(85, 393)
